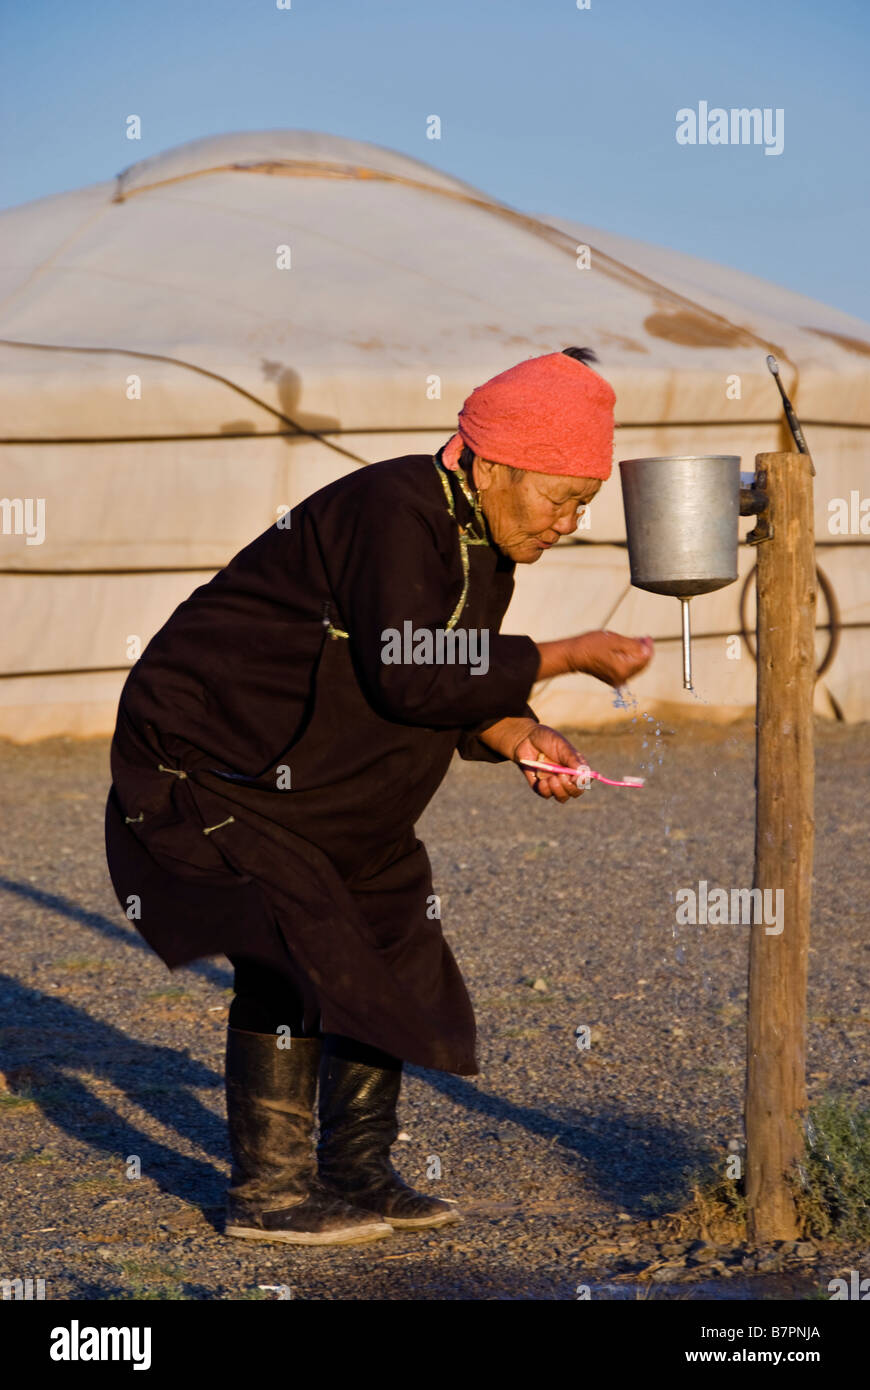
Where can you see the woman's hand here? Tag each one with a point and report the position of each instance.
(613, 658)
(608, 656)
(524, 738)
(543, 742)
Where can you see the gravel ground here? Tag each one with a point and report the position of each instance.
(559, 917)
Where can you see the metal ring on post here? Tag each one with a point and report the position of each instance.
(833, 625)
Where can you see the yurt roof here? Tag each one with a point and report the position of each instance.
(398, 275)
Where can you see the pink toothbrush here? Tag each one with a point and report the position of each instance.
(580, 772)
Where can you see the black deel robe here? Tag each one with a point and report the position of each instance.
(268, 767)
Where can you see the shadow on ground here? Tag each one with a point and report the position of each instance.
(47, 1041)
(217, 975)
(635, 1163)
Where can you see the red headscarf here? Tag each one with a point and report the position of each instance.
(549, 414)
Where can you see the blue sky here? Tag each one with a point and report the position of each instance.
(550, 108)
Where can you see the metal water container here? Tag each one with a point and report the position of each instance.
(681, 520)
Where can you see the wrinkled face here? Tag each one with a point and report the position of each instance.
(527, 515)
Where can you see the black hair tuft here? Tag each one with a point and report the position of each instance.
(584, 355)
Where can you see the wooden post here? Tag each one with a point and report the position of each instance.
(776, 1055)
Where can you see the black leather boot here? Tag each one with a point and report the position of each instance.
(275, 1193)
(357, 1127)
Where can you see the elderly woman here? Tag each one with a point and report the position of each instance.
(276, 744)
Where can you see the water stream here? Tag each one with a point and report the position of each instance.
(686, 939)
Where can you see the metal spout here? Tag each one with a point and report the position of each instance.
(687, 645)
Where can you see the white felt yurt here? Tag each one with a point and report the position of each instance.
(228, 326)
